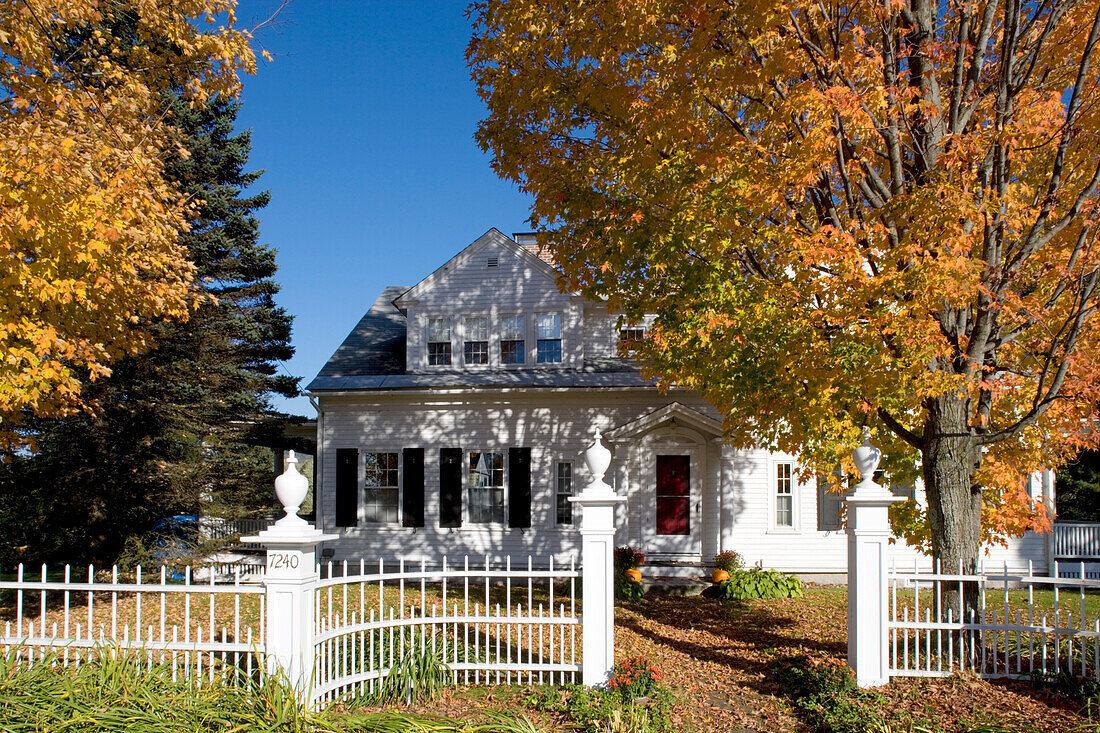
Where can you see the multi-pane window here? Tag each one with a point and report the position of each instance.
(439, 341)
(784, 495)
(512, 336)
(563, 490)
(477, 340)
(486, 487)
(381, 484)
(549, 338)
(631, 337)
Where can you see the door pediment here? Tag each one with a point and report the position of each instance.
(671, 415)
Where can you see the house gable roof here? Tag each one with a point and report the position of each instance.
(376, 346)
(372, 357)
(491, 238)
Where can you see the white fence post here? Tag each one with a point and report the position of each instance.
(597, 502)
(868, 542)
(291, 576)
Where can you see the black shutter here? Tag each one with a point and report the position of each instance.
(519, 487)
(412, 488)
(450, 487)
(347, 487)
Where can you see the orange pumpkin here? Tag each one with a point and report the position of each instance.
(634, 574)
(719, 575)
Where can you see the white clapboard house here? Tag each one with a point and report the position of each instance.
(453, 416)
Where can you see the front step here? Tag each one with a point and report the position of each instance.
(674, 586)
(676, 569)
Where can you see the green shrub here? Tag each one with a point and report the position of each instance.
(729, 561)
(1066, 682)
(826, 694)
(757, 583)
(627, 589)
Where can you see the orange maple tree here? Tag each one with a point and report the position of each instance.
(88, 225)
(873, 212)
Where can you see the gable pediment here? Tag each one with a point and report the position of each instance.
(486, 263)
(671, 414)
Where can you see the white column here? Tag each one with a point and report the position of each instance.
(1049, 548)
(290, 579)
(597, 502)
(868, 543)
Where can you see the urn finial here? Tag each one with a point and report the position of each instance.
(597, 458)
(866, 457)
(291, 488)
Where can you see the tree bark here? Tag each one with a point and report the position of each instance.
(950, 457)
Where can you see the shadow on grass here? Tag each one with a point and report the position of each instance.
(756, 633)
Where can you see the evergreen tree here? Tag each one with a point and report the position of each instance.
(181, 426)
(1077, 489)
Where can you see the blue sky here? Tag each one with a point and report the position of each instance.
(364, 127)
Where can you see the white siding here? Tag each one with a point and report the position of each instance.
(513, 287)
(736, 488)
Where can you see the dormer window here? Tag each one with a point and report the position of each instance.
(549, 338)
(512, 337)
(476, 348)
(439, 341)
(631, 337)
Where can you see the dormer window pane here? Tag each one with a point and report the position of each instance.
(512, 336)
(631, 337)
(549, 338)
(439, 341)
(477, 341)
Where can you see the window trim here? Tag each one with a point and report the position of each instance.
(555, 477)
(500, 340)
(488, 341)
(822, 483)
(559, 339)
(361, 513)
(467, 504)
(773, 497)
(428, 318)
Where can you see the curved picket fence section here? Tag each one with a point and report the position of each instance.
(204, 630)
(485, 623)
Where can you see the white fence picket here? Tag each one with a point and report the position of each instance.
(997, 640)
(116, 618)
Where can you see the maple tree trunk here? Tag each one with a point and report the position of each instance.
(954, 502)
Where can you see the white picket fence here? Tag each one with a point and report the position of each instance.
(488, 625)
(1025, 624)
(337, 630)
(201, 630)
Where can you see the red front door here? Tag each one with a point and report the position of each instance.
(673, 495)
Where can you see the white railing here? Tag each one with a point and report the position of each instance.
(485, 624)
(217, 528)
(1024, 624)
(200, 630)
(1077, 539)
